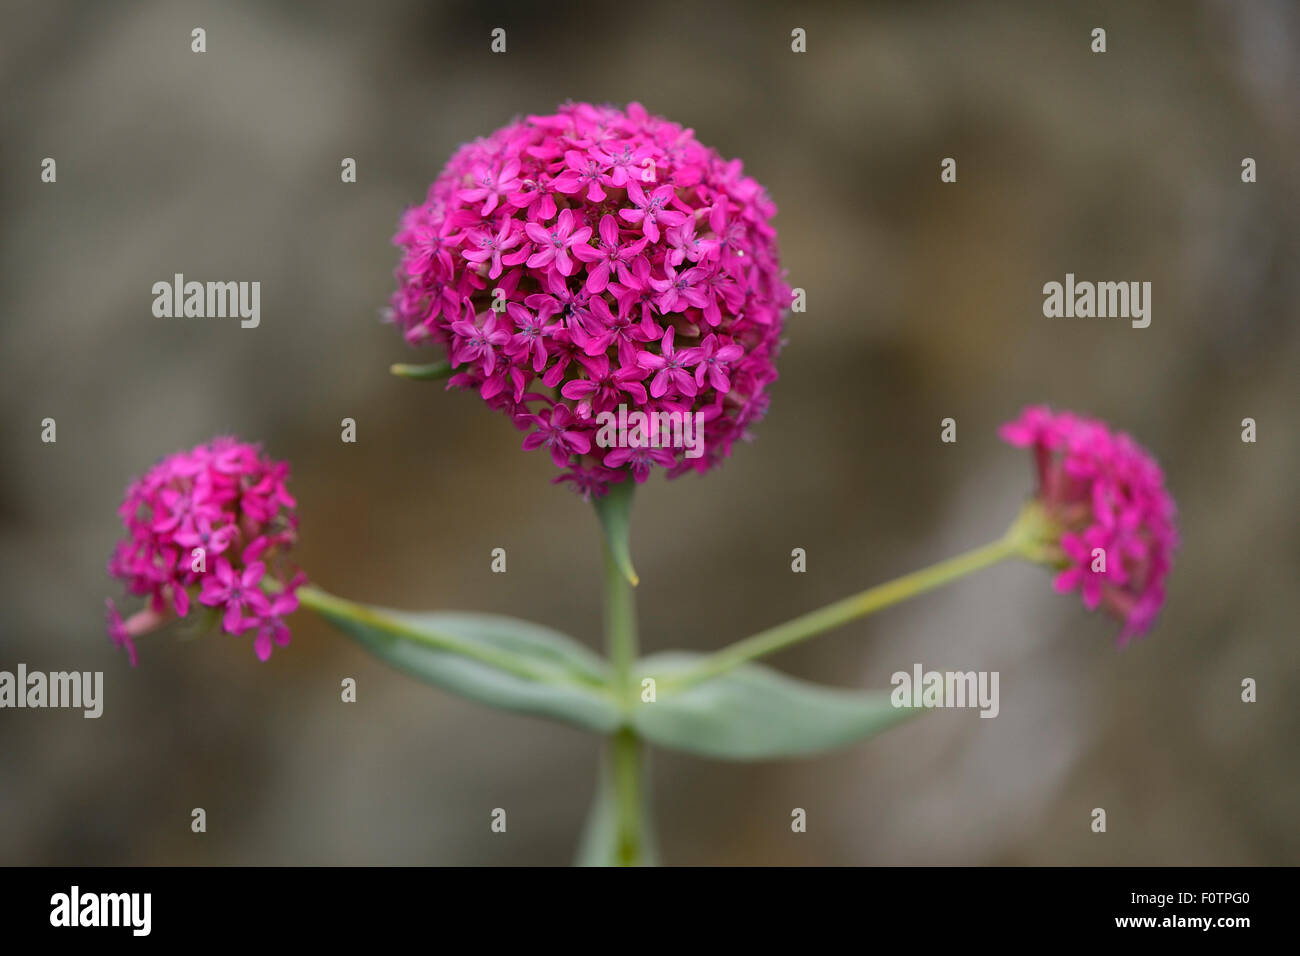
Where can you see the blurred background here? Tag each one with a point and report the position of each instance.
(924, 302)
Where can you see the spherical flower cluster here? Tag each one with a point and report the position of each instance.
(1106, 497)
(597, 258)
(209, 526)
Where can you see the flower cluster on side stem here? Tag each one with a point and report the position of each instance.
(1112, 519)
(209, 526)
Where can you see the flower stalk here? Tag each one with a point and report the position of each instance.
(625, 748)
(1024, 539)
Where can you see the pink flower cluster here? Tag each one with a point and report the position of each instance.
(595, 258)
(1104, 492)
(209, 525)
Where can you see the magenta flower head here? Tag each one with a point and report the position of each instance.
(209, 527)
(602, 278)
(1113, 533)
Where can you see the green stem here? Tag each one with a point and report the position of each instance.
(620, 625)
(1023, 539)
(624, 746)
(625, 764)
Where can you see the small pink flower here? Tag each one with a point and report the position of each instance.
(271, 628)
(620, 331)
(591, 482)
(534, 196)
(671, 368)
(677, 293)
(486, 247)
(685, 245)
(604, 387)
(625, 165)
(640, 460)
(491, 184)
(118, 632)
(714, 359)
(478, 339)
(635, 293)
(553, 244)
(1114, 520)
(433, 249)
(586, 171)
(200, 532)
(607, 255)
(553, 431)
(236, 593)
(651, 211)
(530, 339)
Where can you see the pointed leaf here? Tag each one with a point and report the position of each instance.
(431, 372)
(499, 661)
(754, 712)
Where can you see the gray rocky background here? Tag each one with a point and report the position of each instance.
(924, 302)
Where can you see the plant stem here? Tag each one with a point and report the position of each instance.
(624, 746)
(625, 764)
(1021, 539)
(620, 625)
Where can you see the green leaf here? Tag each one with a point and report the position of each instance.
(615, 511)
(431, 372)
(754, 712)
(499, 661)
